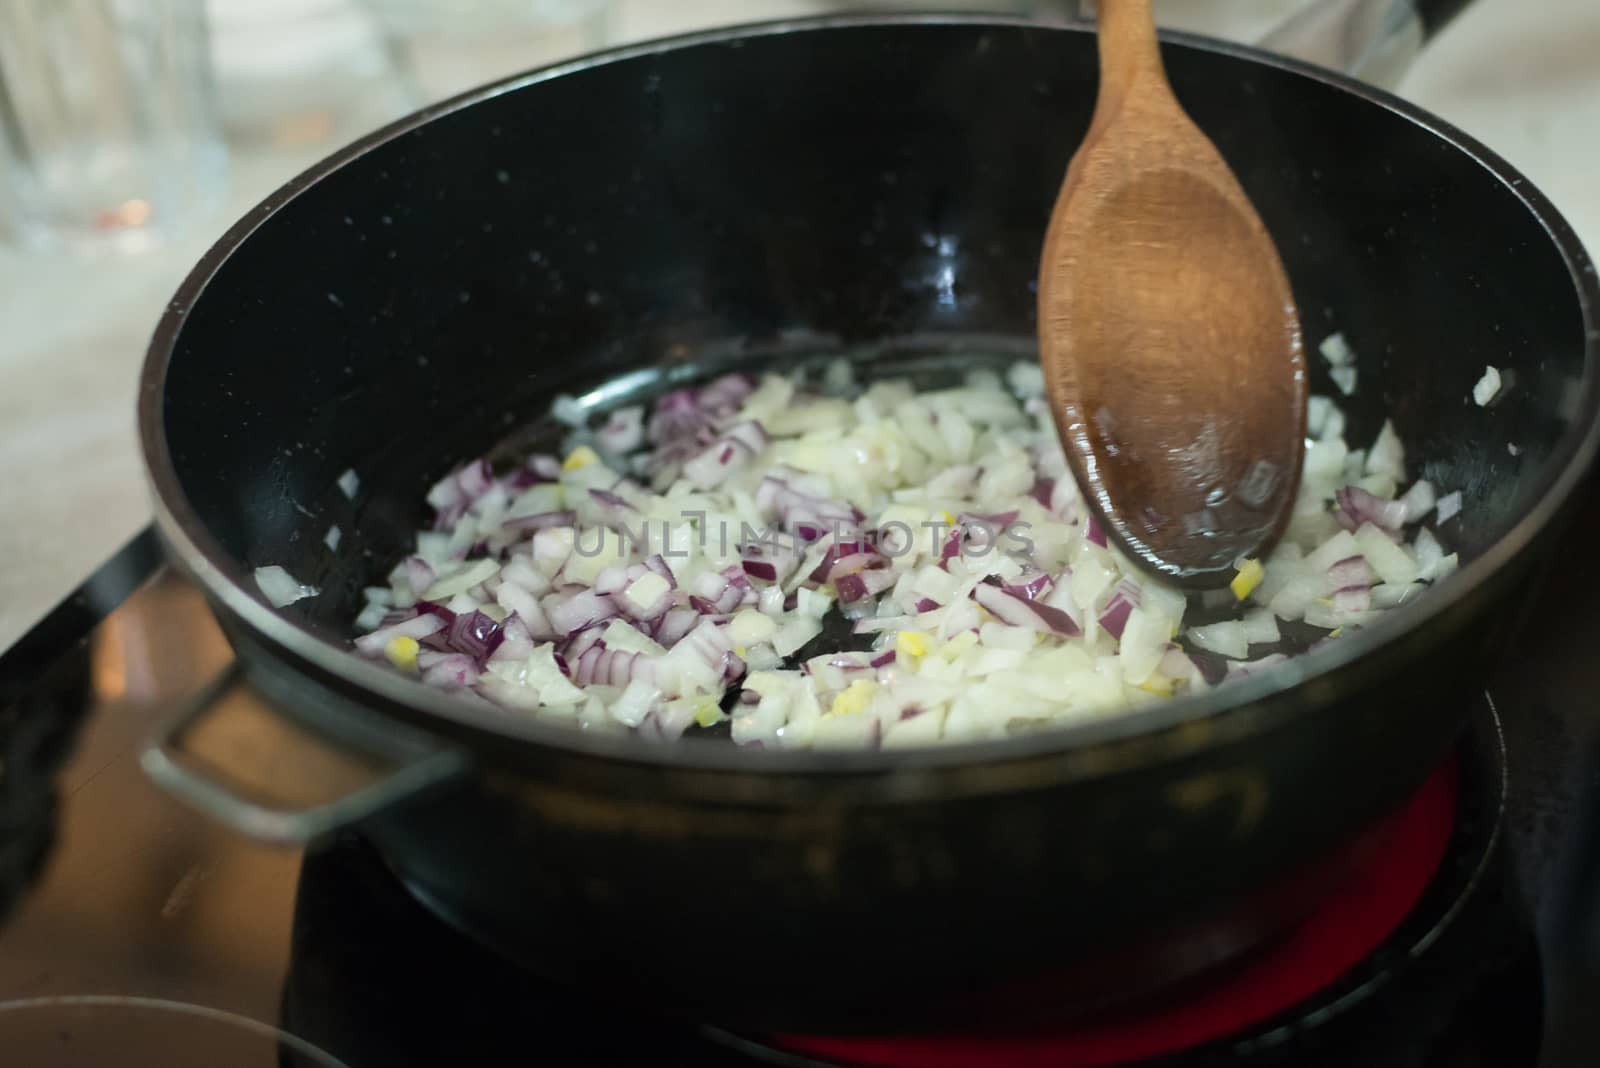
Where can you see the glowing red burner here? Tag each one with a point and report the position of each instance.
(1345, 931)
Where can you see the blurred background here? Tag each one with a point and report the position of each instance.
(133, 132)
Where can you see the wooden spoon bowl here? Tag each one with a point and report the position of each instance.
(1168, 331)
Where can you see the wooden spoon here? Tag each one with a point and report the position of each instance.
(1167, 330)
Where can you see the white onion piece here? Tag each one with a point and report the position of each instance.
(1228, 639)
(415, 627)
(460, 580)
(1336, 350)
(281, 588)
(1487, 388)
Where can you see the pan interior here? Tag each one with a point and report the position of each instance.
(878, 190)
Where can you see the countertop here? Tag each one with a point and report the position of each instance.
(74, 330)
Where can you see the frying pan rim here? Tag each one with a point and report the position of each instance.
(1244, 707)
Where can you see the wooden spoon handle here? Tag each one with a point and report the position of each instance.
(1129, 51)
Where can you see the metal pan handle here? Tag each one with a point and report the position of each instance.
(238, 754)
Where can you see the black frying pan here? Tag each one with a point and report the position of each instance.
(760, 195)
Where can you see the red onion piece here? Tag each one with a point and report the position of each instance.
(859, 585)
(655, 563)
(1021, 612)
(452, 672)
(1123, 601)
(726, 392)
(1357, 506)
(610, 501)
(569, 614)
(767, 562)
(517, 641)
(1033, 589)
(791, 498)
(475, 635)
(581, 642)
(614, 579)
(675, 624)
(622, 432)
(419, 574)
(838, 550)
(1350, 572)
(849, 565)
(1094, 534)
(612, 667)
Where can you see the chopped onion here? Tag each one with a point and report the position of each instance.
(1487, 388)
(1337, 351)
(280, 587)
(943, 525)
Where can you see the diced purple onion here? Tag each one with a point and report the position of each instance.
(476, 635)
(518, 641)
(611, 667)
(1021, 612)
(719, 592)
(834, 553)
(730, 452)
(725, 393)
(768, 563)
(581, 642)
(1123, 601)
(610, 501)
(1033, 589)
(1095, 535)
(1357, 506)
(859, 585)
(622, 432)
(785, 495)
(610, 580)
(655, 563)
(573, 613)
(1349, 572)
(454, 671)
(419, 574)
(951, 548)
(675, 624)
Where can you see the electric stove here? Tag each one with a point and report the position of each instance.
(151, 936)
